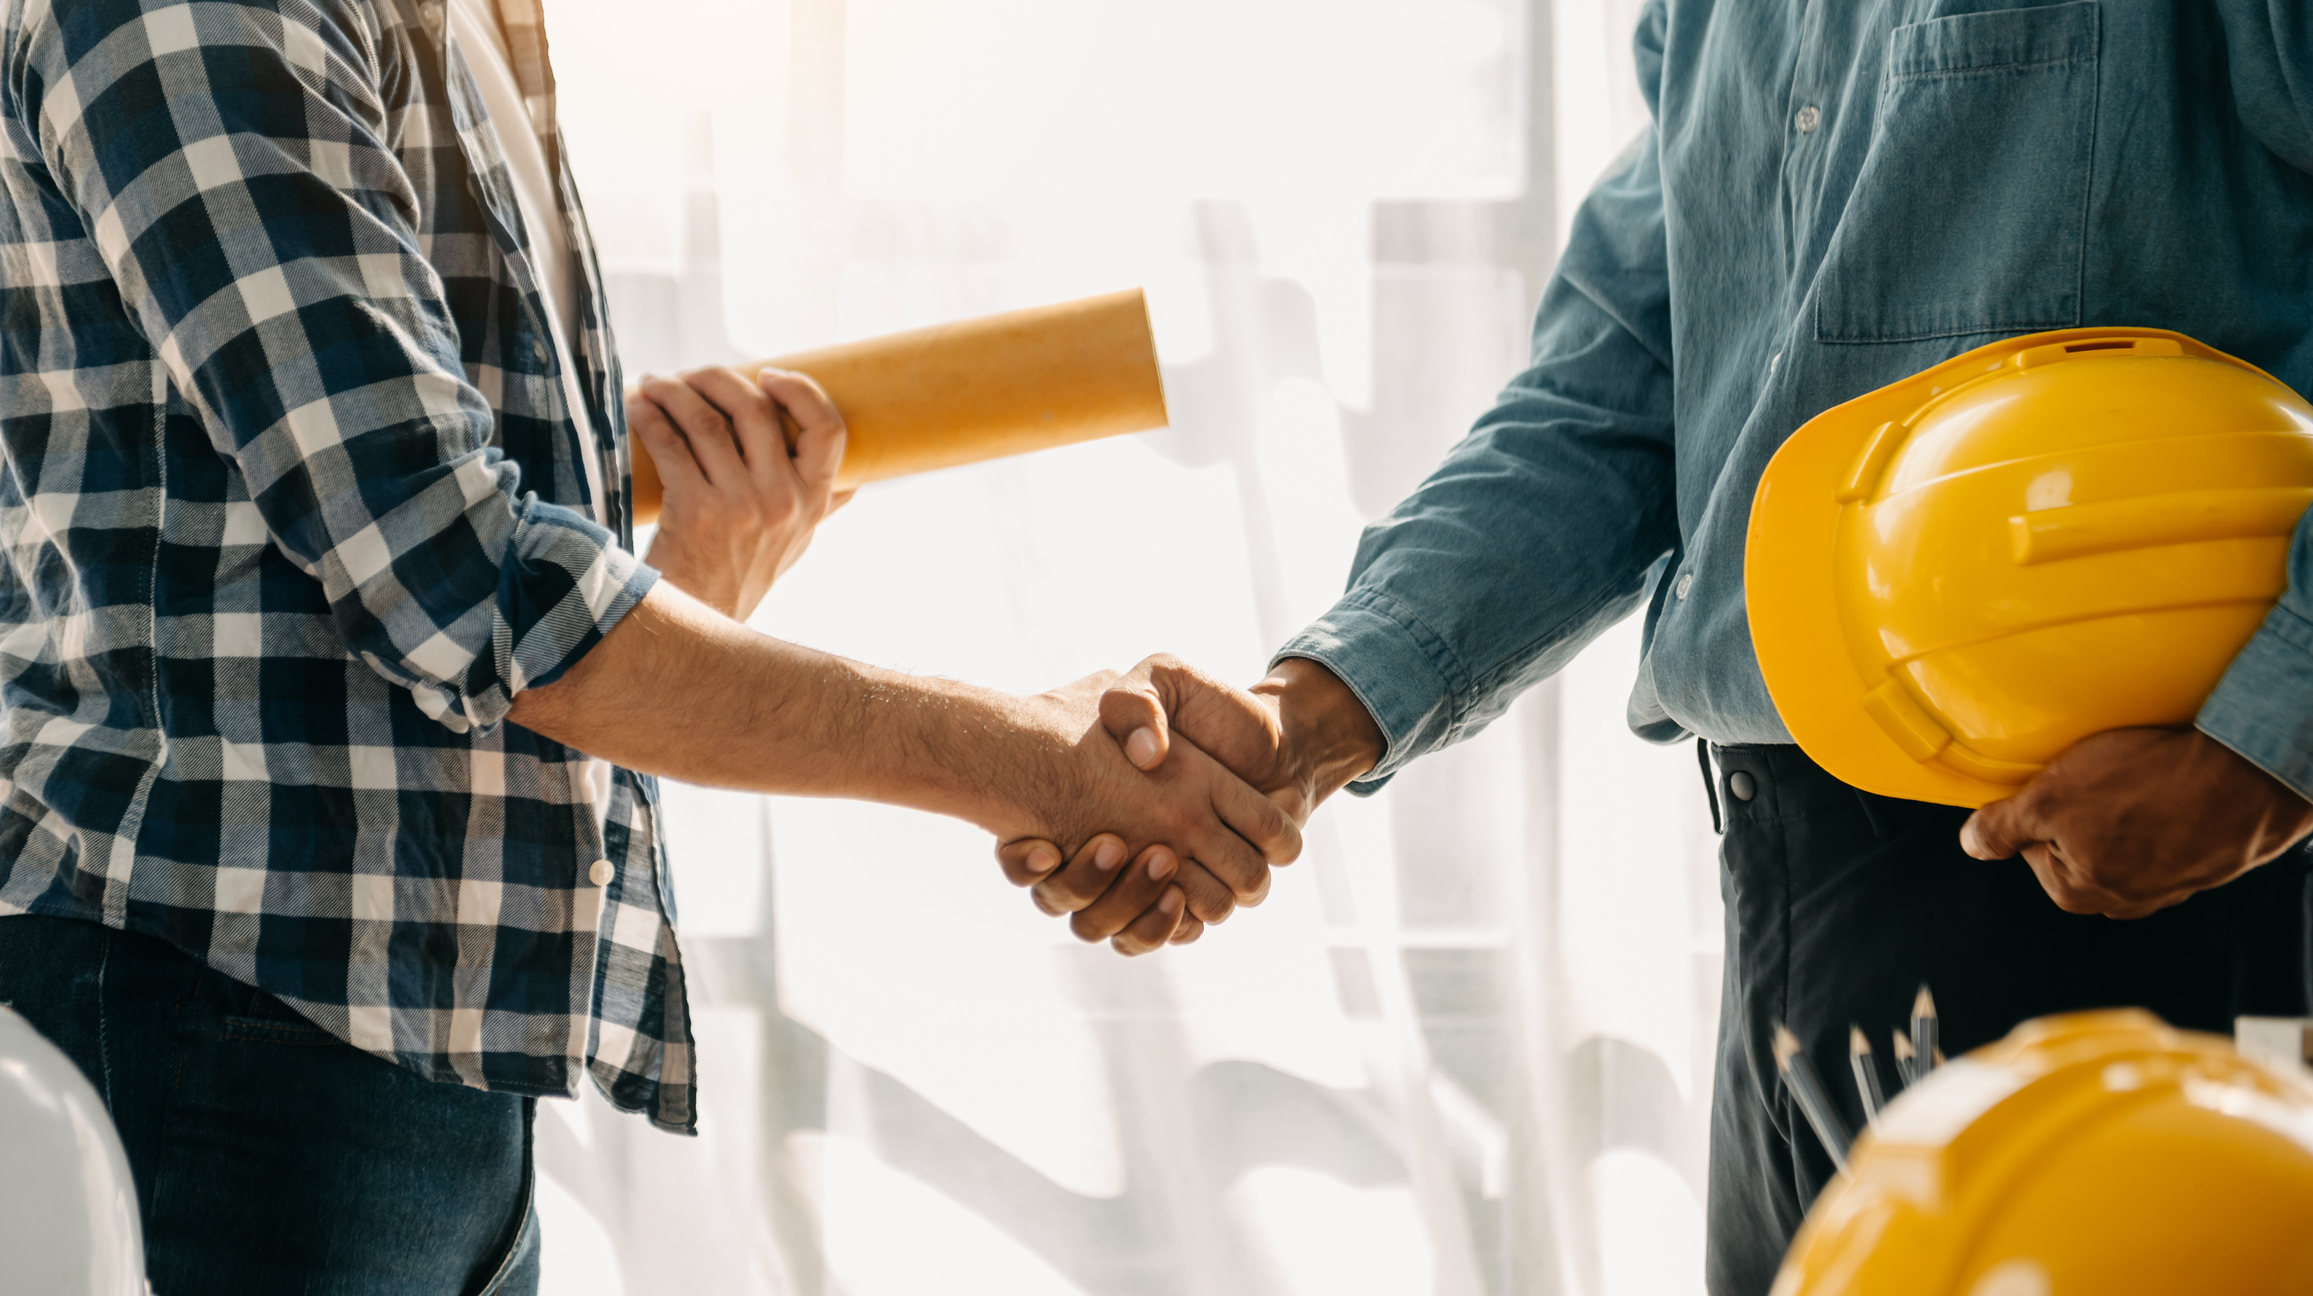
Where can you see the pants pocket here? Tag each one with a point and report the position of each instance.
(1970, 212)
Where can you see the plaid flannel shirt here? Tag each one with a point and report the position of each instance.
(293, 508)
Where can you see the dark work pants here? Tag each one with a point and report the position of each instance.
(269, 1157)
(1840, 905)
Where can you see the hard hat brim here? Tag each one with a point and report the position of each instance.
(1790, 584)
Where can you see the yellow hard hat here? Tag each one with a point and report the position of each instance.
(2096, 1154)
(1954, 578)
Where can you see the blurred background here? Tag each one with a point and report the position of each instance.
(1465, 1047)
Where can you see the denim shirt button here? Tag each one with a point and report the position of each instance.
(1686, 582)
(1809, 117)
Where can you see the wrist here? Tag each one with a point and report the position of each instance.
(1327, 735)
(689, 576)
(996, 760)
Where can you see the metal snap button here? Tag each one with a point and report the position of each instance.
(1742, 786)
(1809, 117)
(1686, 582)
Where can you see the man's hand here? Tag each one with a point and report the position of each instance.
(1124, 914)
(739, 507)
(1213, 875)
(2135, 820)
(1298, 737)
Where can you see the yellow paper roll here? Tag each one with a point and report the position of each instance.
(977, 389)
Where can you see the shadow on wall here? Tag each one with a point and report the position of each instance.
(1244, 1116)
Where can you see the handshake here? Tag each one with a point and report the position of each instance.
(1201, 786)
(1147, 806)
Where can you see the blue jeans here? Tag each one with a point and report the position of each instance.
(270, 1157)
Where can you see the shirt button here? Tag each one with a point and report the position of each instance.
(1686, 582)
(1742, 786)
(1808, 119)
(600, 873)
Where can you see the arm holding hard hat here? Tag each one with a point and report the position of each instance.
(2131, 821)
(2135, 820)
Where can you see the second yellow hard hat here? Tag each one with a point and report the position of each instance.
(2096, 1154)
(1954, 578)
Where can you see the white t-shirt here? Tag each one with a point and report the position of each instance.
(480, 39)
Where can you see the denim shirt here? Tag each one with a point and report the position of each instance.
(1830, 197)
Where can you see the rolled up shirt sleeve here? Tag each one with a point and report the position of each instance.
(232, 160)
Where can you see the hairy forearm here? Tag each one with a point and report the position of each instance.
(678, 690)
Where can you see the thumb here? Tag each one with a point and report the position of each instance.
(2000, 830)
(1027, 861)
(1135, 717)
(821, 435)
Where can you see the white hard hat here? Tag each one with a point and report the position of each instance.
(68, 1207)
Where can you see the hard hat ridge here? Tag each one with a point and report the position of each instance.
(1952, 579)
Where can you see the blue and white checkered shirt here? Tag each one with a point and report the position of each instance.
(293, 507)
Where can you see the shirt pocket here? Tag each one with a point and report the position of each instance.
(1970, 212)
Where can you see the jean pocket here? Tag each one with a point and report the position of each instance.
(267, 1030)
(247, 1013)
(1970, 212)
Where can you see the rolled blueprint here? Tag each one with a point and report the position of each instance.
(977, 389)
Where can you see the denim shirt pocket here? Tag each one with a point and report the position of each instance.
(1970, 212)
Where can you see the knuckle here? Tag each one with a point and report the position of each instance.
(2072, 899)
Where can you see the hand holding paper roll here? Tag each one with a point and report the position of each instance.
(740, 504)
(977, 389)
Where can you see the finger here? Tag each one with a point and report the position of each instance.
(754, 423)
(821, 434)
(1134, 715)
(1143, 882)
(1258, 819)
(1243, 829)
(2002, 829)
(2071, 892)
(1210, 900)
(705, 427)
(1154, 928)
(840, 498)
(1025, 862)
(1229, 858)
(1227, 722)
(1087, 876)
(1188, 931)
(802, 397)
(669, 453)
